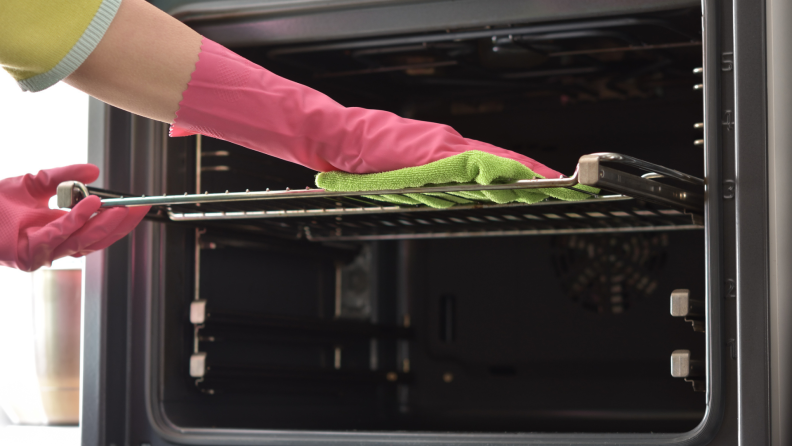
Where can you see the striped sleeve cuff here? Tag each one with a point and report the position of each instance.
(79, 52)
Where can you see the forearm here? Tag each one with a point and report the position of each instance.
(142, 64)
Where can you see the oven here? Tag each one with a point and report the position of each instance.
(253, 308)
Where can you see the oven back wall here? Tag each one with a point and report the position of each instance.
(530, 352)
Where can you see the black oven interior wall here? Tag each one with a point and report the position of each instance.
(567, 332)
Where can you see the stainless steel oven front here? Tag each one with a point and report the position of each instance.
(343, 319)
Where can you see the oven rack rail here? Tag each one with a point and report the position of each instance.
(589, 172)
(643, 204)
(605, 215)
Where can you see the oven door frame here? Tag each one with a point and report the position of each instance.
(121, 372)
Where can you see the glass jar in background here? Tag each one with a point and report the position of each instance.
(56, 319)
(40, 344)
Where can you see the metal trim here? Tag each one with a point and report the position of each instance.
(322, 193)
(588, 172)
(503, 233)
(751, 201)
(159, 425)
(244, 215)
(468, 35)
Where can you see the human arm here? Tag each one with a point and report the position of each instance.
(32, 235)
(151, 64)
(127, 53)
(143, 62)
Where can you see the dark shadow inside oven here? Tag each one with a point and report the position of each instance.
(557, 333)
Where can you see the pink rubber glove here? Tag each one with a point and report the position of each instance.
(32, 235)
(231, 98)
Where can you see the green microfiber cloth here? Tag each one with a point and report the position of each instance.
(472, 167)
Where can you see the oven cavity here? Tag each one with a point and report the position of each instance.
(303, 309)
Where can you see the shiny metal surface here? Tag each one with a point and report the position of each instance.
(191, 11)
(320, 215)
(362, 208)
(198, 364)
(40, 346)
(70, 192)
(321, 193)
(680, 363)
(593, 173)
(348, 221)
(198, 435)
(198, 311)
(56, 310)
(680, 300)
(691, 309)
(477, 34)
(692, 370)
(501, 233)
(625, 48)
(588, 172)
(640, 164)
(779, 95)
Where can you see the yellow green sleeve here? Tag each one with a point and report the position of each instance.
(44, 41)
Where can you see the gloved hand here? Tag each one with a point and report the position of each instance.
(32, 235)
(231, 98)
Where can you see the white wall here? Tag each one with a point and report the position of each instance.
(37, 131)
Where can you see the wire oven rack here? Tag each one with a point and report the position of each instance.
(320, 215)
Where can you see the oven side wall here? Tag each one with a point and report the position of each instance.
(103, 365)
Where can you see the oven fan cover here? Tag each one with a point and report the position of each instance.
(609, 273)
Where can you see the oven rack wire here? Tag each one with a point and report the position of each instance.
(641, 204)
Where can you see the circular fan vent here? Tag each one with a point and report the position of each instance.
(607, 273)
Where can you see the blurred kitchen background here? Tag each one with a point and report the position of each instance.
(40, 311)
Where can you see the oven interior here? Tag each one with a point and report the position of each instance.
(568, 331)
